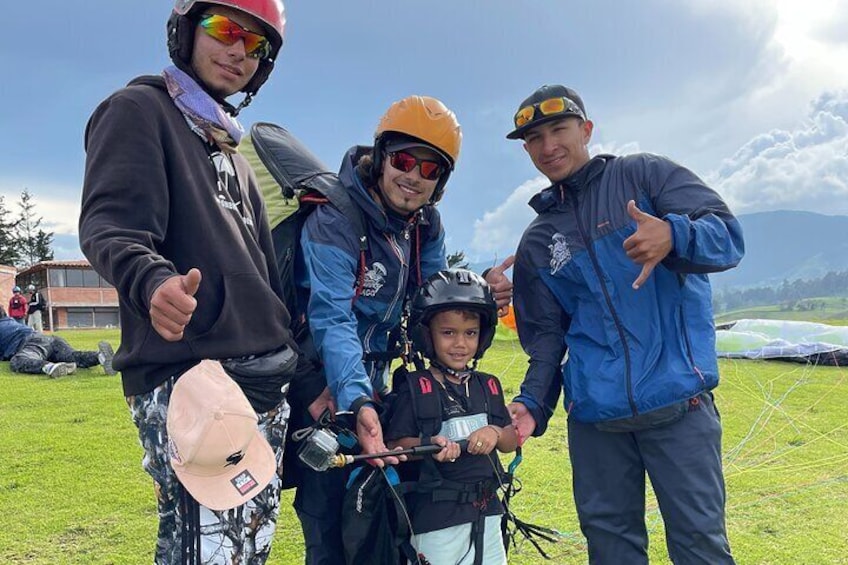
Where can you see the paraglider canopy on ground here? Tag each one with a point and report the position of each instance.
(804, 342)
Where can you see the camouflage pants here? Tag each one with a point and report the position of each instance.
(242, 535)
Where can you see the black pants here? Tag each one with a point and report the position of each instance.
(39, 349)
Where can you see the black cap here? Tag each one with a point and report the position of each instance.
(546, 92)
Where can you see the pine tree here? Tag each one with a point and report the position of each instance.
(43, 246)
(9, 249)
(33, 242)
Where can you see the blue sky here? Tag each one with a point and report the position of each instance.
(753, 96)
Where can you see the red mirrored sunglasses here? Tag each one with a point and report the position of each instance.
(403, 161)
(228, 32)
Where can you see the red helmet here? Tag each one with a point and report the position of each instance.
(183, 20)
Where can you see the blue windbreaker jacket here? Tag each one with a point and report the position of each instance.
(628, 351)
(347, 331)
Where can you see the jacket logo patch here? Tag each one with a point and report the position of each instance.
(375, 278)
(560, 253)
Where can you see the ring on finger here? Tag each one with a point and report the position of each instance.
(479, 444)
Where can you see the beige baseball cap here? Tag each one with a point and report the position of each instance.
(216, 449)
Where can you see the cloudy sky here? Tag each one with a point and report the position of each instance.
(753, 96)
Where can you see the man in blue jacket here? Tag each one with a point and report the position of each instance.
(613, 305)
(355, 299)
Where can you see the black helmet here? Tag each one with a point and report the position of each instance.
(453, 289)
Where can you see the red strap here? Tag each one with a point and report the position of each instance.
(313, 199)
(493, 386)
(425, 384)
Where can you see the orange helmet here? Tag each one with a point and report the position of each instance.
(181, 25)
(425, 119)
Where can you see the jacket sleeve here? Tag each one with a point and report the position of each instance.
(542, 325)
(125, 171)
(331, 257)
(706, 237)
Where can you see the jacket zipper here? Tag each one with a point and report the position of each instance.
(689, 348)
(616, 320)
(401, 286)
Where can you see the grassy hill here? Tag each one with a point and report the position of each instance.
(72, 489)
(827, 310)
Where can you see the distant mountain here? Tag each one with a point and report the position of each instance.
(788, 245)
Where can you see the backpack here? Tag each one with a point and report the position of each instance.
(300, 174)
(375, 521)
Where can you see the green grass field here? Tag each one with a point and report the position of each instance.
(72, 489)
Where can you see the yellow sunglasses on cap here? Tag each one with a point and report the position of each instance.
(549, 107)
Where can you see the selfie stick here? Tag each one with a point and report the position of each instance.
(341, 460)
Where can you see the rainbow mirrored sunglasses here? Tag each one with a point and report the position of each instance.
(228, 32)
(403, 161)
(549, 107)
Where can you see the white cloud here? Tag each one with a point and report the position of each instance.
(58, 205)
(499, 230)
(805, 168)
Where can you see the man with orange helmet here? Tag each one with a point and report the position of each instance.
(173, 217)
(354, 309)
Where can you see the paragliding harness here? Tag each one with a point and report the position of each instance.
(428, 412)
(427, 409)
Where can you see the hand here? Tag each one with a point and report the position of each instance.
(450, 452)
(482, 441)
(323, 402)
(173, 303)
(370, 436)
(501, 285)
(649, 245)
(522, 421)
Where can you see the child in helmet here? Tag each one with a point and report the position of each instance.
(452, 323)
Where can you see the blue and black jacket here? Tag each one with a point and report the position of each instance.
(353, 334)
(628, 351)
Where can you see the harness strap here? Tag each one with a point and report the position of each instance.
(478, 532)
(377, 356)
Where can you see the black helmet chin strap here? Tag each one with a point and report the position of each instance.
(248, 98)
(453, 372)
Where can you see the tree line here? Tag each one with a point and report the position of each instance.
(787, 294)
(23, 242)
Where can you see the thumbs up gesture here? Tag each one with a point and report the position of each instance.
(173, 303)
(649, 245)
